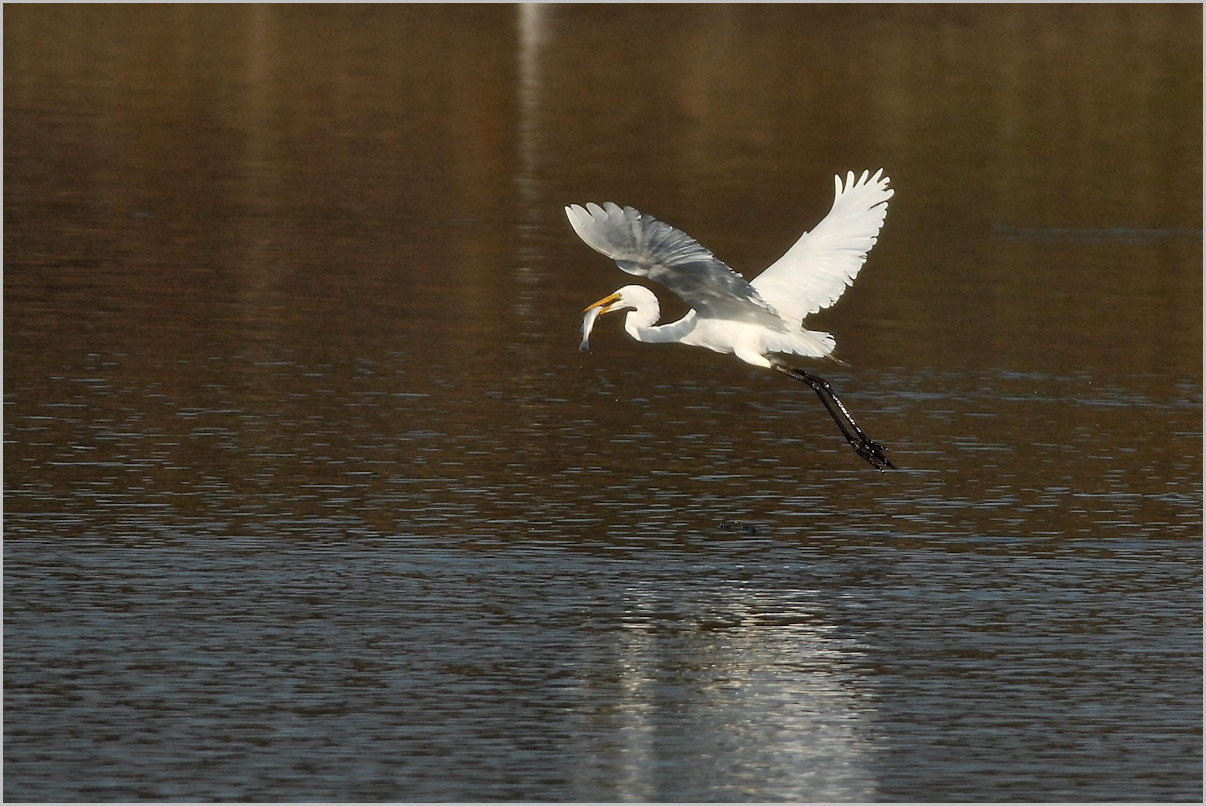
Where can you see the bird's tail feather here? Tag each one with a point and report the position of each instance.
(810, 343)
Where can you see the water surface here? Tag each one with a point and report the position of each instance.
(309, 493)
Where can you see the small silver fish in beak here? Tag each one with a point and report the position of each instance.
(593, 312)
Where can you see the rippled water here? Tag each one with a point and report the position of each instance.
(309, 493)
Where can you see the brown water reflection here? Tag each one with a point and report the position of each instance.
(309, 492)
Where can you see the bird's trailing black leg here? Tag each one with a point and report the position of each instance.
(863, 445)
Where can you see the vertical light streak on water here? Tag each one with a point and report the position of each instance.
(758, 698)
(530, 29)
(634, 779)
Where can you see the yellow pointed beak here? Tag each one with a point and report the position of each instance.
(591, 313)
(605, 303)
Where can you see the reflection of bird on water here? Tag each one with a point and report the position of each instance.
(759, 321)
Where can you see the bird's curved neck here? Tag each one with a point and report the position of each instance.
(640, 324)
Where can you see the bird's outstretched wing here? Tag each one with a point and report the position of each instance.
(823, 263)
(647, 247)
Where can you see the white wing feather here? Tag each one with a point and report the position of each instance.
(823, 263)
(648, 247)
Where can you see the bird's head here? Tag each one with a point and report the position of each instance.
(630, 297)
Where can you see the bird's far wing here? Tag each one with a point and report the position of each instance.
(819, 267)
(647, 247)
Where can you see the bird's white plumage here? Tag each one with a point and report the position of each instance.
(729, 315)
(759, 322)
(824, 262)
(648, 247)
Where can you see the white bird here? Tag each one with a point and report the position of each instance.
(760, 321)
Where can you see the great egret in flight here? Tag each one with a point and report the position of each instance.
(760, 321)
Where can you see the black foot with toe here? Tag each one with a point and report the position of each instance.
(863, 445)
